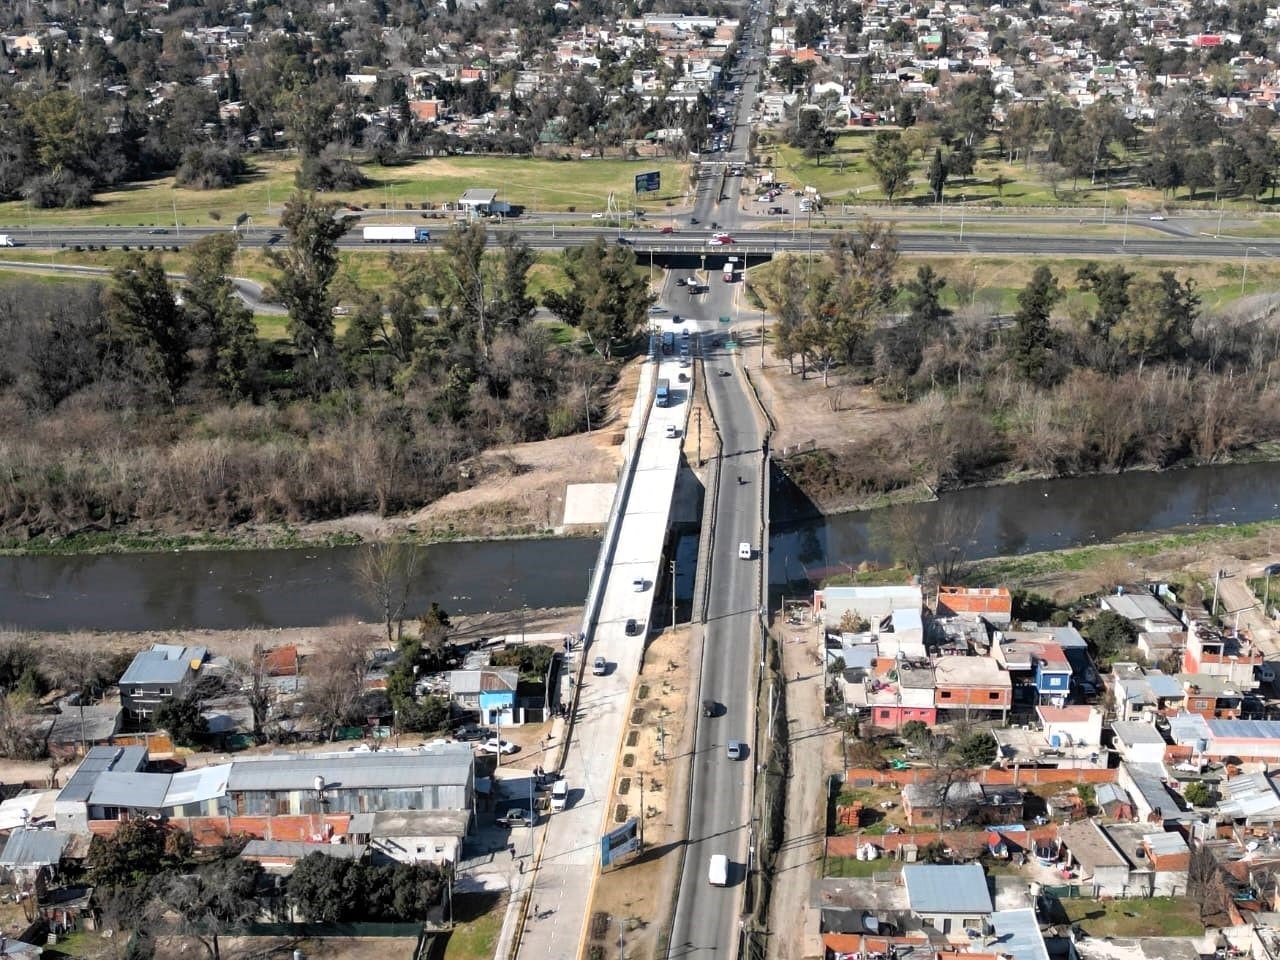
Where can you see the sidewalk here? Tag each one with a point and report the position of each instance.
(815, 753)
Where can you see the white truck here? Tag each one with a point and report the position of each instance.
(7, 241)
(394, 234)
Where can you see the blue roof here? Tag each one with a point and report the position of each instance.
(1245, 729)
(1018, 934)
(947, 888)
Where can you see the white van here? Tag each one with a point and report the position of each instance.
(718, 871)
(559, 794)
(744, 551)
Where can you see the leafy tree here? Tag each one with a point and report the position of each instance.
(1110, 635)
(608, 298)
(977, 750)
(891, 162)
(327, 890)
(1198, 793)
(127, 858)
(1111, 287)
(220, 319)
(1159, 321)
(433, 633)
(961, 161)
(937, 174)
(914, 732)
(1032, 336)
(533, 660)
(923, 292)
(180, 718)
(810, 133)
(788, 298)
(307, 267)
(209, 167)
(424, 716)
(147, 334)
(210, 902)
(970, 110)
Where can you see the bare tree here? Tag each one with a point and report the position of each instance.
(385, 572)
(336, 678)
(81, 671)
(208, 903)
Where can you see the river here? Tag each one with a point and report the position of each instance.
(238, 589)
(1026, 517)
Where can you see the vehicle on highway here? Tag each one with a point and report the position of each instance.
(736, 749)
(1271, 570)
(777, 210)
(684, 334)
(744, 548)
(624, 241)
(708, 708)
(676, 318)
(682, 281)
(638, 584)
(515, 817)
(597, 216)
(718, 870)
(599, 666)
(720, 240)
(7, 241)
(633, 628)
(693, 221)
(655, 309)
(156, 231)
(1157, 216)
(394, 234)
(668, 229)
(673, 430)
(495, 745)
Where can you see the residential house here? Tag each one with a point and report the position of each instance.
(1211, 653)
(71, 808)
(1145, 611)
(1097, 862)
(28, 852)
(1113, 801)
(951, 899)
(972, 686)
(832, 605)
(1148, 788)
(895, 693)
(1127, 859)
(490, 691)
(1066, 737)
(1251, 803)
(1038, 668)
(1211, 696)
(1138, 692)
(967, 801)
(164, 672)
(411, 836)
(1137, 741)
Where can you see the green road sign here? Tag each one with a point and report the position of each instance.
(731, 344)
(724, 319)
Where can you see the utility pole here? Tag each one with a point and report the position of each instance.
(662, 739)
(641, 776)
(673, 594)
(1216, 580)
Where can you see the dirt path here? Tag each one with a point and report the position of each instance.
(815, 753)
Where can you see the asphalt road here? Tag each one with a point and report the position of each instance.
(1000, 235)
(707, 917)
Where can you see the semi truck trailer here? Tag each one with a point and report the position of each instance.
(392, 234)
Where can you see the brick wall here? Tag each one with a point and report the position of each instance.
(1025, 776)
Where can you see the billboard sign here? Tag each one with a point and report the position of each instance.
(648, 182)
(618, 843)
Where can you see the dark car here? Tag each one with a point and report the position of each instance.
(708, 708)
(515, 817)
(471, 732)
(633, 628)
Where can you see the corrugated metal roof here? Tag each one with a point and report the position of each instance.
(1135, 731)
(1163, 685)
(298, 849)
(1186, 728)
(1018, 933)
(33, 848)
(141, 791)
(196, 786)
(38, 805)
(1245, 729)
(163, 663)
(947, 888)
(1105, 793)
(97, 761)
(1165, 843)
(354, 771)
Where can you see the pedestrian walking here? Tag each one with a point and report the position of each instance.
(521, 868)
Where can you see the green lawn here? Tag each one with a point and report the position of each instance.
(852, 867)
(542, 184)
(1156, 917)
(475, 937)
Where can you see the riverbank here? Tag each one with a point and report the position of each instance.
(515, 492)
(239, 644)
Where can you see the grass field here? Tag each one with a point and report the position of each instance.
(1154, 917)
(524, 181)
(476, 935)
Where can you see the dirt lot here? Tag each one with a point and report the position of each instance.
(641, 890)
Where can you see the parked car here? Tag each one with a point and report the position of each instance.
(495, 745)
(515, 817)
(471, 732)
(599, 666)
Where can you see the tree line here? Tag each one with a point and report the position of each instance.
(151, 401)
(1132, 373)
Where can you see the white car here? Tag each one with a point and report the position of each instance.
(672, 430)
(638, 584)
(1157, 216)
(655, 309)
(494, 745)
